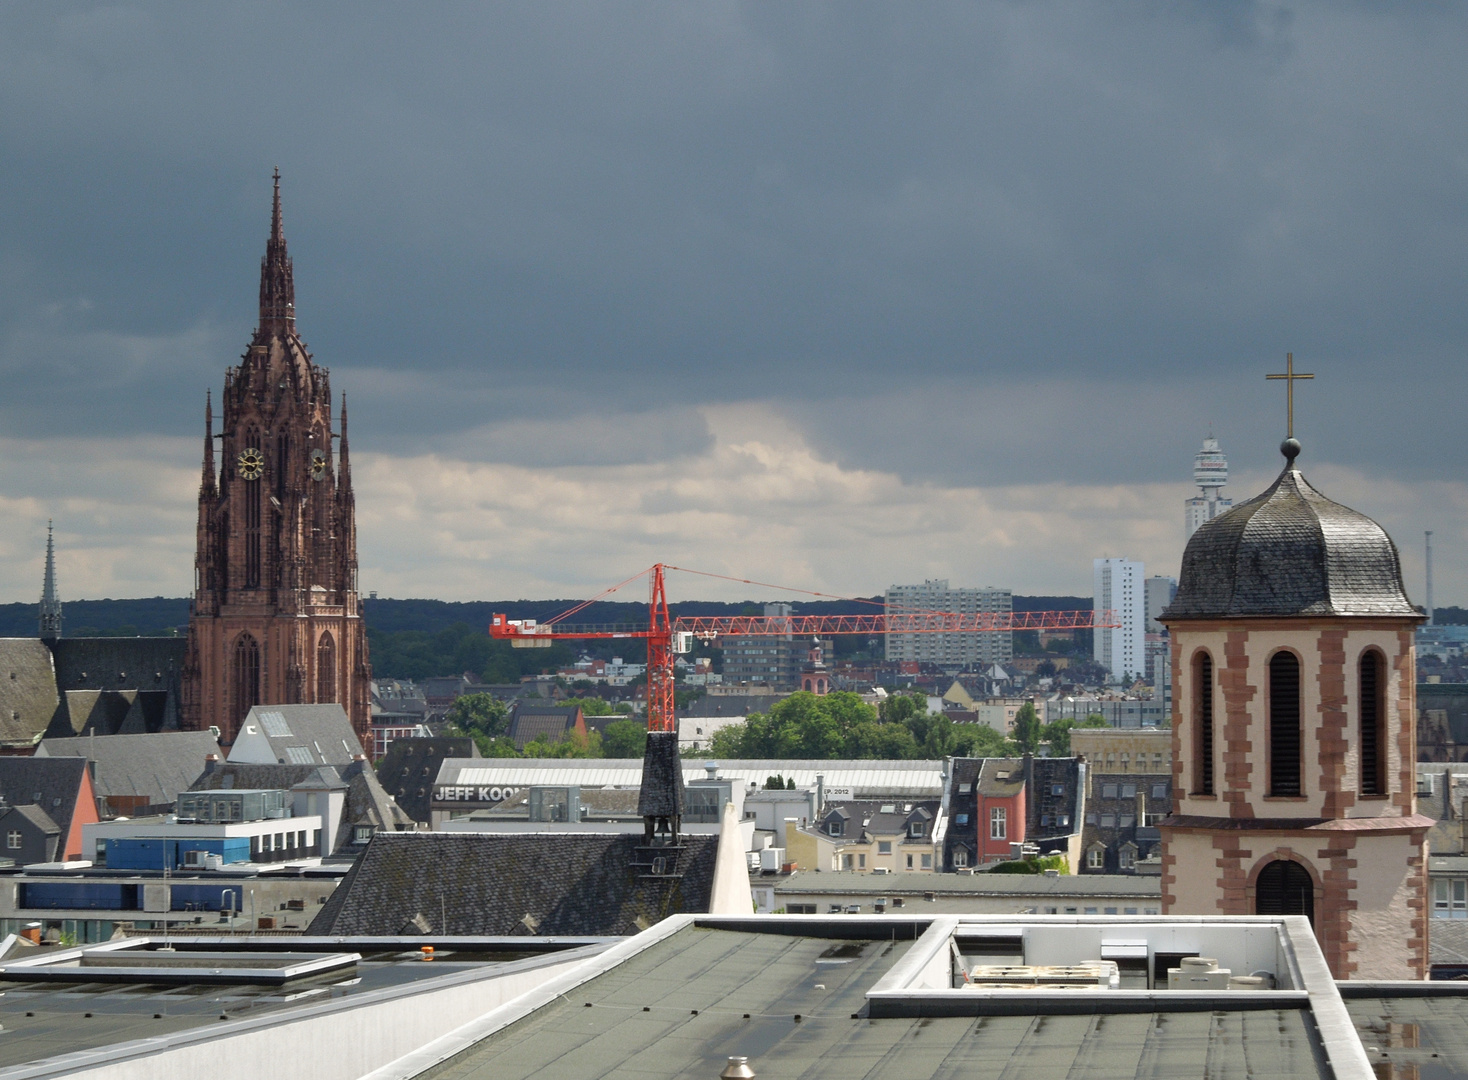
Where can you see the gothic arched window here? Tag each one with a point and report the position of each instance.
(1284, 724)
(326, 669)
(1284, 888)
(1373, 715)
(246, 677)
(1203, 724)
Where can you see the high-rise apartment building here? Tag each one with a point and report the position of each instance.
(1118, 588)
(959, 649)
(1157, 594)
(1210, 473)
(763, 659)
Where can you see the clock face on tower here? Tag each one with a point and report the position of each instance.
(251, 463)
(319, 464)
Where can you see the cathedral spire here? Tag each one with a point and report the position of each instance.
(277, 280)
(50, 602)
(207, 484)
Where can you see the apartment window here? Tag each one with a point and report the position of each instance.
(1095, 860)
(884, 847)
(861, 862)
(13, 840)
(1159, 791)
(361, 834)
(1128, 857)
(915, 830)
(1284, 724)
(846, 862)
(960, 858)
(1450, 898)
(909, 862)
(1373, 737)
(1057, 789)
(1108, 791)
(1203, 725)
(833, 828)
(998, 823)
(1128, 791)
(960, 819)
(927, 862)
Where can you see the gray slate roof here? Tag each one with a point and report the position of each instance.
(322, 731)
(50, 783)
(662, 776)
(410, 768)
(27, 688)
(157, 766)
(118, 685)
(1289, 551)
(477, 883)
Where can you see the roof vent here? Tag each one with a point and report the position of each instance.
(737, 1069)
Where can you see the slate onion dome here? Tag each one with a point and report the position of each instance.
(1287, 552)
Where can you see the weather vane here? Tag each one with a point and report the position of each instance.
(1289, 376)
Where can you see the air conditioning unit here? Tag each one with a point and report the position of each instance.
(770, 859)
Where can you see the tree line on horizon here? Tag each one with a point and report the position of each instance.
(836, 726)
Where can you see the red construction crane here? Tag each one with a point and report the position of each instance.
(666, 636)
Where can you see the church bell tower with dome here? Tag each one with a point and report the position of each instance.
(276, 618)
(1294, 734)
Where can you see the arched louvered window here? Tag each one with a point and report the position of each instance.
(1373, 717)
(1203, 724)
(326, 668)
(1284, 724)
(1284, 888)
(245, 677)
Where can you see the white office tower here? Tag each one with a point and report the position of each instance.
(955, 649)
(1157, 594)
(1210, 473)
(1119, 589)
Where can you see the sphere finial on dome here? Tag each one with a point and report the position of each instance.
(1290, 448)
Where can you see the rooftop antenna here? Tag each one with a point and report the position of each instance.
(1428, 535)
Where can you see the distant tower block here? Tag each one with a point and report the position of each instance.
(1210, 473)
(50, 602)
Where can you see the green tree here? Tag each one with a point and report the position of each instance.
(1027, 728)
(1057, 733)
(624, 739)
(571, 745)
(479, 714)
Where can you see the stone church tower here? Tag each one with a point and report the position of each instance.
(1294, 742)
(275, 617)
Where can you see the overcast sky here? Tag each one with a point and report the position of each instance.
(835, 295)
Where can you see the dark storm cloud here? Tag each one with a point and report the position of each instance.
(972, 242)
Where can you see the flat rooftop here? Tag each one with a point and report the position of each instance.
(796, 1007)
(811, 998)
(47, 1017)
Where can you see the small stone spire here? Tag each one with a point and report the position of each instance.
(344, 462)
(50, 602)
(207, 487)
(277, 280)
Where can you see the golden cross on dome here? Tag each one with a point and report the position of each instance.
(1289, 376)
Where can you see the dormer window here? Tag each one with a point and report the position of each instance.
(915, 830)
(833, 827)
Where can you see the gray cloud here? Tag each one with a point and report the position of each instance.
(967, 244)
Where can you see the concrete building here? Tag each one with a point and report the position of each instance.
(1210, 473)
(771, 660)
(1294, 778)
(902, 893)
(947, 650)
(1118, 588)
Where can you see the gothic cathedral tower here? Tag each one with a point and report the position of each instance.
(276, 618)
(1294, 730)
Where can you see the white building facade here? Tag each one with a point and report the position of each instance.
(1119, 588)
(956, 649)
